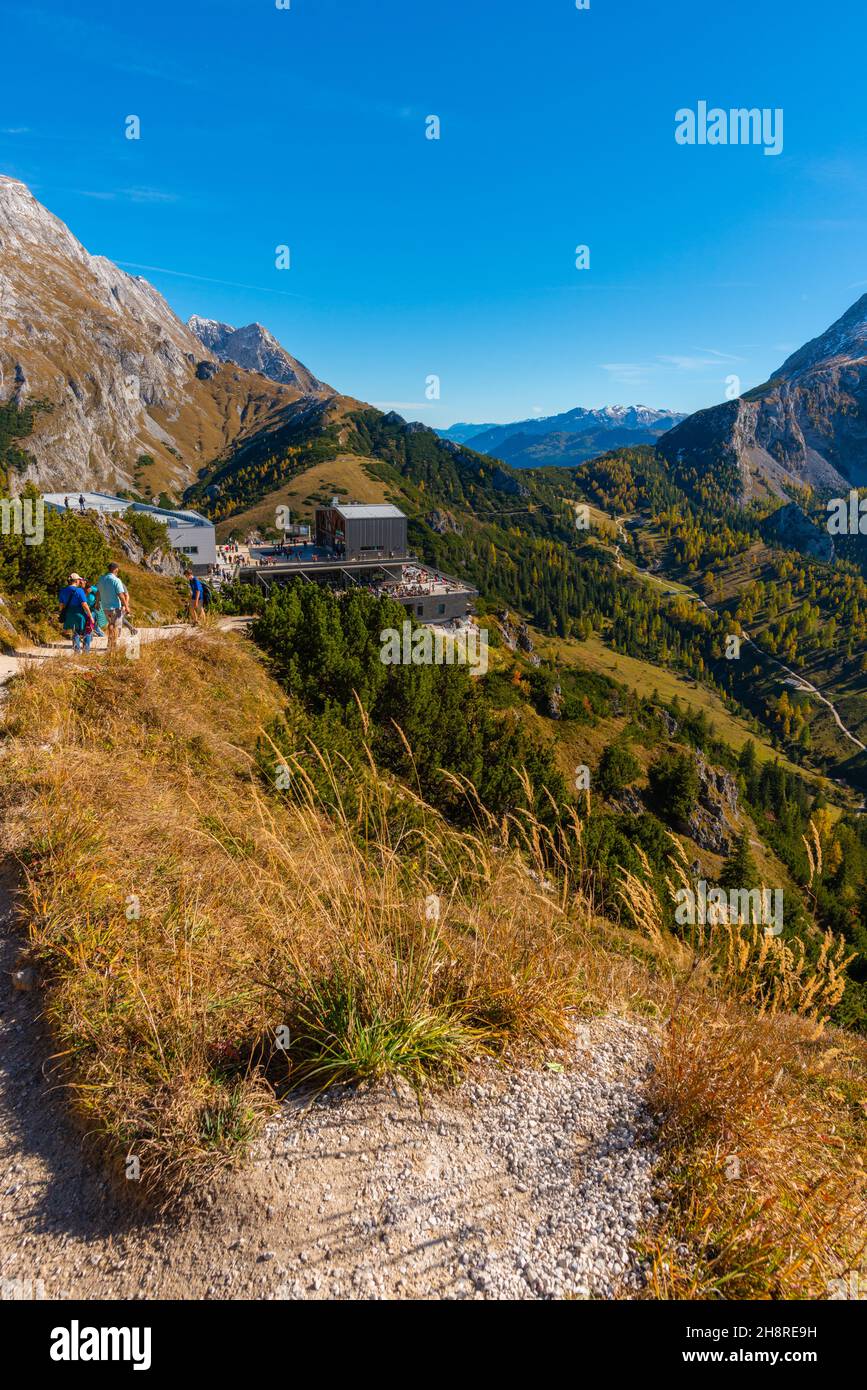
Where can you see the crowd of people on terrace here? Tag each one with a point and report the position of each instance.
(417, 582)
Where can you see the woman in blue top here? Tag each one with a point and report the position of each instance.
(75, 613)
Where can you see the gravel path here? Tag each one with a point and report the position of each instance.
(526, 1184)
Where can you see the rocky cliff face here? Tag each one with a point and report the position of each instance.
(716, 819)
(118, 369)
(119, 534)
(807, 425)
(793, 528)
(255, 349)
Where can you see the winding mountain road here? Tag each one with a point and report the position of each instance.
(801, 682)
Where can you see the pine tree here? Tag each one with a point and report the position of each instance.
(739, 869)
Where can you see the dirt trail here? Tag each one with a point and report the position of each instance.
(12, 663)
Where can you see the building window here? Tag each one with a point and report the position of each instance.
(441, 608)
(420, 609)
(190, 549)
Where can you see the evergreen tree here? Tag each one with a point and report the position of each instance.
(673, 781)
(617, 768)
(739, 869)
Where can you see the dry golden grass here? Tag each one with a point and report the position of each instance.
(762, 1116)
(180, 914)
(763, 1129)
(203, 942)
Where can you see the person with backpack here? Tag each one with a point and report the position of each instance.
(197, 598)
(75, 613)
(114, 598)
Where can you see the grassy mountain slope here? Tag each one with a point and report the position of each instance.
(166, 975)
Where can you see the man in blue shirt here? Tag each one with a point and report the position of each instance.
(197, 598)
(114, 598)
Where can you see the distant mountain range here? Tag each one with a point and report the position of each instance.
(131, 397)
(566, 439)
(807, 425)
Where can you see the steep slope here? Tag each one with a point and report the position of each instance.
(807, 425)
(125, 382)
(255, 349)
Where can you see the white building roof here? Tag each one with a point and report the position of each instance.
(176, 518)
(106, 502)
(361, 511)
(94, 501)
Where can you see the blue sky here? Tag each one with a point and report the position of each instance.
(412, 257)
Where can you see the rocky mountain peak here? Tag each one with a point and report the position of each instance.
(807, 425)
(846, 339)
(256, 349)
(127, 400)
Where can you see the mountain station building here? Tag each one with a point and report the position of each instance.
(366, 546)
(192, 535)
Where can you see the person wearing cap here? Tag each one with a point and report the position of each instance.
(75, 613)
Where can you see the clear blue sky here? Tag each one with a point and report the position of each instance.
(413, 257)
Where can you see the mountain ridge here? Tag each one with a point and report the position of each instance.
(132, 399)
(568, 438)
(255, 348)
(805, 426)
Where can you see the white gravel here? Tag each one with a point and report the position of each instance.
(537, 1188)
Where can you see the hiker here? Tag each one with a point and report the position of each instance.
(66, 503)
(75, 613)
(95, 604)
(197, 598)
(114, 599)
(82, 505)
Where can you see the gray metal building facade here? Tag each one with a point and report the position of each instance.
(439, 608)
(361, 532)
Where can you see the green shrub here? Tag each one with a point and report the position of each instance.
(617, 768)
